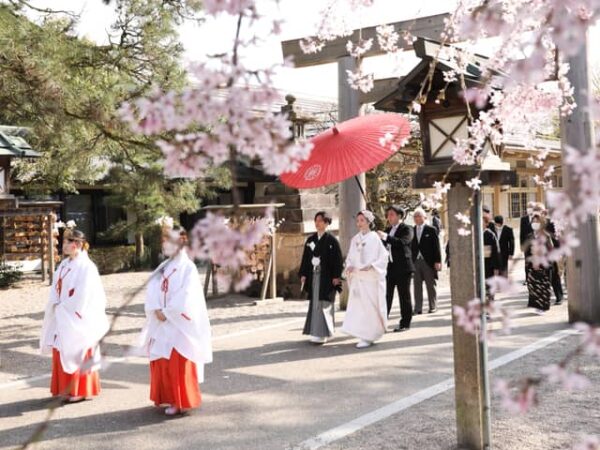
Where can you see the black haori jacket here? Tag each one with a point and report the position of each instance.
(328, 249)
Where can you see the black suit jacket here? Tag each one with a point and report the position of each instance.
(491, 253)
(400, 246)
(328, 249)
(551, 230)
(507, 243)
(525, 230)
(429, 246)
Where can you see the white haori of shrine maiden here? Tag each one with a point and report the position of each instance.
(366, 314)
(75, 318)
(175, 288)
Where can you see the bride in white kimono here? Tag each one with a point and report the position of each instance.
(366, 267)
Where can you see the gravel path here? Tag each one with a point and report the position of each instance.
(269, 389)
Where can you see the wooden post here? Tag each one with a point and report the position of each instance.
(463, 288)
(42, 248)
(351, 199)
(207, 279)
(273, 266)
(50, 247)
(583, 273)
(496, 206)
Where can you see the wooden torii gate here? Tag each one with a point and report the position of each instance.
(472, 424)
(350, 100)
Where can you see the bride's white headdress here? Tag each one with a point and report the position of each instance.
(368, 215)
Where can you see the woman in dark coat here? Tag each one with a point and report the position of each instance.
(539, 279)
(320, 274)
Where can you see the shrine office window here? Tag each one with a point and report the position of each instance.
(518, 204)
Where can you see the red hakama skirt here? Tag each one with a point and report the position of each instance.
(75, 384)
(174, 381)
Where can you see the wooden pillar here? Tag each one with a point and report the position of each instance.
(273, 265)
(351, 199)
(583, 273)
(50, 246)
(42, 248)
(463, 288)
(496, 206)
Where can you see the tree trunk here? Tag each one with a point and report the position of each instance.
(139, 247)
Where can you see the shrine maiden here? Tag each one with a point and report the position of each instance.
(74, 322)
(176, 336)
(366, 266)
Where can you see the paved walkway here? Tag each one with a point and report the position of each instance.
(270, 389)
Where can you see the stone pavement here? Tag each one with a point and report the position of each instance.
(268, 388)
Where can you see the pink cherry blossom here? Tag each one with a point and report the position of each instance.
(233, 7)
(501, 285)
(360, 80)
(590, 338)
(570, 381)
(469, 318)
(226, 244)
(387, 38)
(588, 443)
(516, 400)
(474, 183)
(477, 96)
(360, 48)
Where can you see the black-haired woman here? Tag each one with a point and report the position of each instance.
(539, 278)
(74, 322)
(320, 275)
(177, 333)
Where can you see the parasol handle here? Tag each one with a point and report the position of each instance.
(362, 190)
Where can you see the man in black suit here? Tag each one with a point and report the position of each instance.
(427, 258)
(555, 273)
(525, 230)
(506, 239)
(491, 250)
(398, 240)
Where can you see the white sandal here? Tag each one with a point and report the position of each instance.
(172, 411)
(363, 344)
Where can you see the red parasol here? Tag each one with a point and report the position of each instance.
(348, 149)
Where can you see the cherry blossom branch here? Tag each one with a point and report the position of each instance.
(521, 395)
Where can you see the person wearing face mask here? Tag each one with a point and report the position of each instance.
(366, 267)
(492, 260)
(176, 336)
(320, 274)
(506, 240)
(525, 230)
(555, 275)
(74, 322)
(538, 276)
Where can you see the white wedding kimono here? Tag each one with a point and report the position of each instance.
(366, 314)
(175, 288)
(75, 318)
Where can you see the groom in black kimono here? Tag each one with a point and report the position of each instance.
(398, 240)
(320, 275)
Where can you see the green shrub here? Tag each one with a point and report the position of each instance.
(9, 274)
(113, 259)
